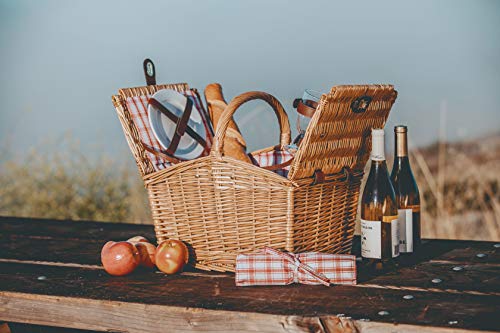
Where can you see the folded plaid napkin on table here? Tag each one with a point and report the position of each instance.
(272, 267)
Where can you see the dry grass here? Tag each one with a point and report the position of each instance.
(459, 186)
(64, 184)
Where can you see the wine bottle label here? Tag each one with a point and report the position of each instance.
(371, 239)
(395, 238)
(405, 217)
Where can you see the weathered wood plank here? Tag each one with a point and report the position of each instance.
(79, 243)
(132, 317)
(471, 278)
(219, 293)
(45, 228)
(447, 251)
(26, 328)
(477, 253)
(482, 276)
(101, 315)
(86, 252)
(434, 250)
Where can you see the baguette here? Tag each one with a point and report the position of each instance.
(234, 144)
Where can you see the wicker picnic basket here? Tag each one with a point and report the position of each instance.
(222, 207)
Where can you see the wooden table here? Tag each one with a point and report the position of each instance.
(50, 275)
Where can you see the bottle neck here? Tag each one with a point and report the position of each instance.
(377, 153)
(401, 145)
(401, 162)
(379, 174)
(378, 166)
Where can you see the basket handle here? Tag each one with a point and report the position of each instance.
(228, 113)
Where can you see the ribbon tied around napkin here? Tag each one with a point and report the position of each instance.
(273, 267)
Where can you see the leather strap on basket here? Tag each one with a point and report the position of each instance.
(228, 113)
(319, 176)
(278, 166)
(162, 154)
(305, 107)
(181, 125)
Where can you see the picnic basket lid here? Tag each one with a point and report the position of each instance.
(338, 135)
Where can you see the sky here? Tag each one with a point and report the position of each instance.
(61, 61)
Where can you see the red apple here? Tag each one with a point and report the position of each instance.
(107, 246)
(137, 239)
(146, 250)
(147, 253)
(119, 258)
(171, 256)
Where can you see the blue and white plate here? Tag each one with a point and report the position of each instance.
(164, 128)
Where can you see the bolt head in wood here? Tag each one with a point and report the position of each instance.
(383, 313)
(457, 268)
(480, 255)
(408, 297)
(436, 280)
(41, 278)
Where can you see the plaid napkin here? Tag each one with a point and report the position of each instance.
(272, 267)
(273, 157)
(138, 108)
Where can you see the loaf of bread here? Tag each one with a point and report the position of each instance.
(234, 144)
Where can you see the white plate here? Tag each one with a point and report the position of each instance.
(164, 128)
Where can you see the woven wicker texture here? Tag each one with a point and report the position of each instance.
(325, 214)
(336, 136)
(221, 206)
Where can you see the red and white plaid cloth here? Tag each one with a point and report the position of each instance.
(272, 267)
(138, 108)
(273, 157)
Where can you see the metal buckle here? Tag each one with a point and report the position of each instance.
(360, 104)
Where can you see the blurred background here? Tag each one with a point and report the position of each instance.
(63, 153)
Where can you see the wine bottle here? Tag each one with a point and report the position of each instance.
(379, 212)
(407, 195)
